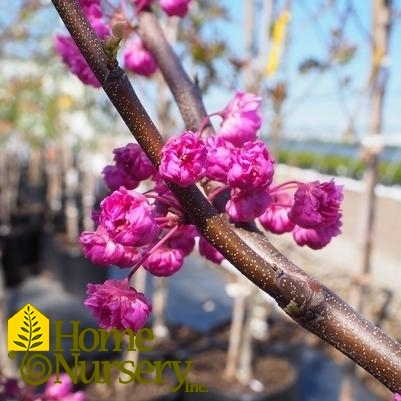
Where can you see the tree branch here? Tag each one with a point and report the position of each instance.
(306, 300)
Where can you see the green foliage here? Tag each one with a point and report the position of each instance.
(311, 64)
(389, 173)
(202, 35)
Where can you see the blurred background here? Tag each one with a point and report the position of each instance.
(329, 75)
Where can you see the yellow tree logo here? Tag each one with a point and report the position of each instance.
(28, 330)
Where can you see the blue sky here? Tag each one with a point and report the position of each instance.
(317, 105)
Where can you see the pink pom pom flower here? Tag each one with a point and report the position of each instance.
(101, 250)
(316, 238)
(71, 56)
(209, 252)
(247, 205)
(275, 217)
(133, 161)
(178, 8)
(241, 118)
(61, 391)
(128, 218)
(117, 305)
(138, 59)
(114, 178)
(316, 204)
(184, 159)
(183, 239)
(164, 261)
(220, 156)
(69, 52)
(252, 167)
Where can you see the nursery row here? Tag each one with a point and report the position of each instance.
(339, 165)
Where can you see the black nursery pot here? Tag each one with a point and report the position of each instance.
(77, 271)
(20, 254)
(73, 269)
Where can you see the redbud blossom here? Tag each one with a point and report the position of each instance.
(220, 158)
(61, 391)
(248, 204)
(131, 166)
(316, 238)
(117, 305)
(115, 177)
(183, 159)
(241, 118)
(95, 15)
(128, 218)
(95, 213)
(71, 56)
(69, 51)
(88, 3)
(183, 239)
(101, 250)
(138, 59)
(10, 389)
(165, 199)
(177, 8)
(164, 261)
(316, 204)
(209, 252)
(133, 161)
(275, 218)
(252, 167)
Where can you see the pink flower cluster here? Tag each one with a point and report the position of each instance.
(69, 51)
(183, 159)
(135, 229)
(240, 162)
(11, 389)
(312, 214)
(177, 8)
(117, 305)
(136, 57)
(150, 229)
(61, 391)
(131, 167)
(127, 225)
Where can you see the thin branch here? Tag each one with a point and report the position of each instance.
(306, 300)
(186, 94)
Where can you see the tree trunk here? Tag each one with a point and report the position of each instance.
(371, 152)
(379, 76)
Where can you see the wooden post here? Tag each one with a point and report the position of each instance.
(371, 147)
(381, 23)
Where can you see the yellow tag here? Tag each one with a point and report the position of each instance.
(277, 42)
(28, 330)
